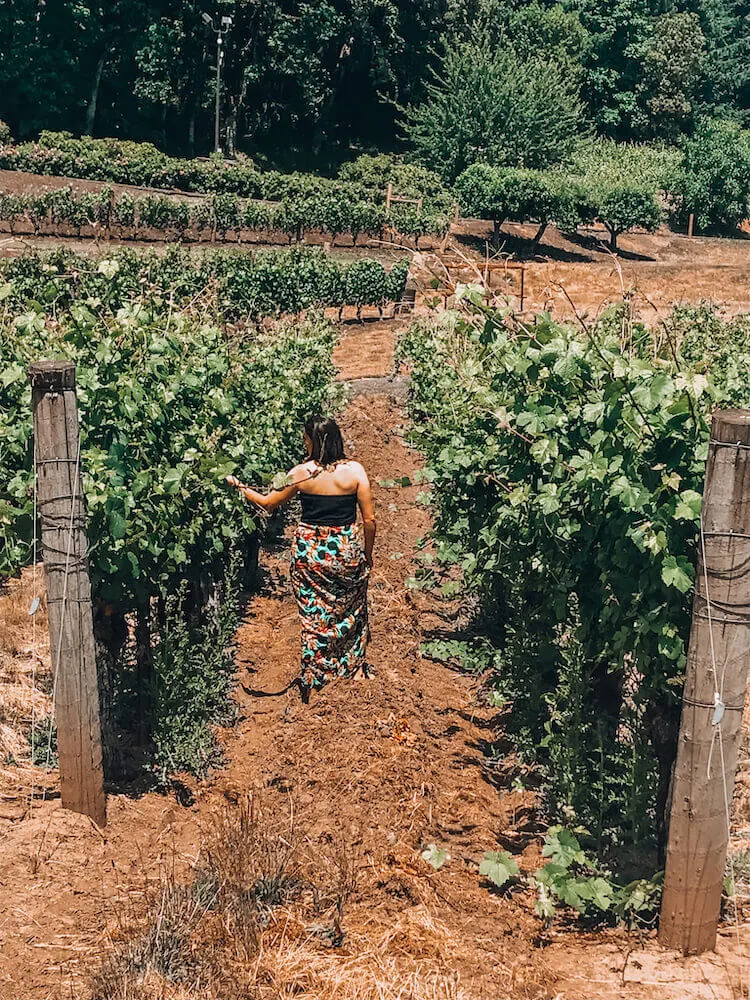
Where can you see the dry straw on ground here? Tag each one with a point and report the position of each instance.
(264, 914)
(25, 678)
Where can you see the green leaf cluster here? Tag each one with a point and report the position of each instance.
(231, 286)
(170, 402)
(554, 196)
(567, 468)
(572, 879)
(333, 213)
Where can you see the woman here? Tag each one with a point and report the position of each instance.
(329, 570)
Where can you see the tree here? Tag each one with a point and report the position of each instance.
(713, 180)
(673, 61)
(501, 194)
(484, 104)
(625, 207)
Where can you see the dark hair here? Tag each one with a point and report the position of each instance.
(327, 443)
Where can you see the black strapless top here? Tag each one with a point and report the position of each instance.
(330, 510)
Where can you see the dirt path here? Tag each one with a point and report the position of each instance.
(389, 765)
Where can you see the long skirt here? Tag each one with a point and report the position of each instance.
(329, 576)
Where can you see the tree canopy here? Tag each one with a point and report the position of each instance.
(304, 83)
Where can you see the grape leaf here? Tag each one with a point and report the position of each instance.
(499, 867)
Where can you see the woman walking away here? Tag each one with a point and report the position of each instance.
(329, 569)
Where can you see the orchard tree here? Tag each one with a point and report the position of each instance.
(713, 181)
(518, 195)
(484, 104)
(624, 207)
(672, 61)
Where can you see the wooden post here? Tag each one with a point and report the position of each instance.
(63, 521)
(705, 769)
(691, 224)
(388, 196)
(523, 275)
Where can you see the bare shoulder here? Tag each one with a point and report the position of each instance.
(358, 470)
(302, 471)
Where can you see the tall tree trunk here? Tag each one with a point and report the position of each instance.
(93, 100)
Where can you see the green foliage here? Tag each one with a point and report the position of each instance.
(713, 180)
(506, 194)
(566, 468)
(193, 666)
(554, 196)
(603, 163)
(499, 867)
(673, 60)
(6, 137)
(572, 879)
(235, 286)
(626, 207)
(43, 742)
(435, 856)
(333, 211)
(409, 180)
(486, 105)
(310, 85)
(170, 404)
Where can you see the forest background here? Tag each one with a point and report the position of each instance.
(308, 85)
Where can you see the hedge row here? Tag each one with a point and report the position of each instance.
(217, 216)
(544, 197)
(234, 286)
(60, 154)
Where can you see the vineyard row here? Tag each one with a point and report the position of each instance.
(170, 403)
(214, 218)
(231, 286)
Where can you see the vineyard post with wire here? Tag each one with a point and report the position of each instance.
(62, 515)
(713, 698)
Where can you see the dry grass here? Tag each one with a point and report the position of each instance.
(25, 672)
(263, 918)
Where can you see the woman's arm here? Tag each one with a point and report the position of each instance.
(364, 498)
(268, 501)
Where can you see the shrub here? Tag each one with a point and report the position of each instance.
(124, 211)
(374, 173)
(5, 135)
(154, 212)
(713, 181)
(626, 207)
(566, 470)
(606, 163)
(365, 283)
(12, 209)
(169, 406)
(227, 213)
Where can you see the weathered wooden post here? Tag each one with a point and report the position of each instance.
(63, 521)
(691, 224)
(717, 672)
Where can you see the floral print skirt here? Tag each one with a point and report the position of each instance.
(329, 576)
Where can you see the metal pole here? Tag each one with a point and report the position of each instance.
(217, 141)
(714, 694)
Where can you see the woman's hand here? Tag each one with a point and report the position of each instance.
(233, 481)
